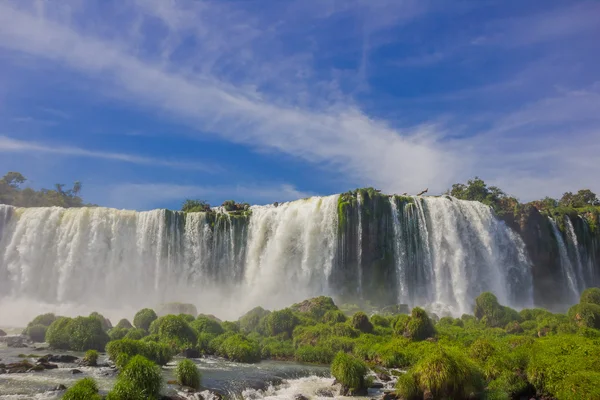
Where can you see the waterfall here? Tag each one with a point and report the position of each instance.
(429, 251)
(565, 263)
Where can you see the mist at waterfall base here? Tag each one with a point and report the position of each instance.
(437, 252)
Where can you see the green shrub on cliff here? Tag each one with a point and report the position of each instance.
(144, 318)
(316, 307)
(585, 315)
(334, 316)
(84, 389)
(57, 334)
(175, 330)
(491, 313)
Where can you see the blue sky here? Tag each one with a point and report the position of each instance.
(149, 102)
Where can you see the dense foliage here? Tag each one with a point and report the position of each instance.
(12, 193)
(139, 379)
(497, 353)
(84, 389)
(144, 318)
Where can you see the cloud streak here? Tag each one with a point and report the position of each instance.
(9, 145)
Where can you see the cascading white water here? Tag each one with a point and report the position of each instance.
(446, 252)
(565, 263)
(462, 250)
(359, 246)
(574, 245)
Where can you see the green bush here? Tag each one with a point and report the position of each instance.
(282, 321)
(533, 314)
(399, 324)
(104, 322)
(582, 385)
(314, 354)
(91, 358)
(139, 379)
(120, 351)
(419, 326)
(124, 324)
(204, 340)
(79, 334)
(230, 326)
(57, 334)
(188, 374)
(87, 334)
(187, 317)
(555, 358)
(43, 319)
(273, 348)
(136, 334)
(144, 318)
(250, 321)
(349, 371)
(585, 315)
(591, 295)
(334, 316)
(238, 347)
(481, 350)
(491, 313)
(84, 389)
(207, 325)
(444, 373)
(361, 322)
(117, 333)
(37, 333)
(514, 327)
(176, 331)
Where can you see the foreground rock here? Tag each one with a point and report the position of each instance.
(2, 333)
(24, 366)
(62, 358)
(14, 341)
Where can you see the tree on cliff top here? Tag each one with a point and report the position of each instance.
(12, 193)
(582, 198)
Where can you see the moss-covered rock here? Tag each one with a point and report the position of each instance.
(91, 358)
(124, 324)
(175, 330)
(316, 307)
(238, 347)
(84, 389)
(419, 326)
(492, 313)
(120, 351)
(144, 318)
(117, 333)
(135, 334)
(139, 379)
(334, 316)
(80, 334)
(188, 374)
(361, 322)
(36, 333)
(350, 372)
(250, 321)
(443, 373)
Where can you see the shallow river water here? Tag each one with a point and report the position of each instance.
(264, 380)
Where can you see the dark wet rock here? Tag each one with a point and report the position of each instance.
(300, 397)
(18, 367)
(2, 333)
(36, 368)
(76, 371)
(377, 385)
(346, 391)
(390, 396)
(14, 341)
(190, 353)
(383, 376)
(48, 365)
(61, 358)
(59, 388)
(2, 371)
(325, 392)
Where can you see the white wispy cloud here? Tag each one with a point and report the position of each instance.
(340, 135)
(10, 145)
